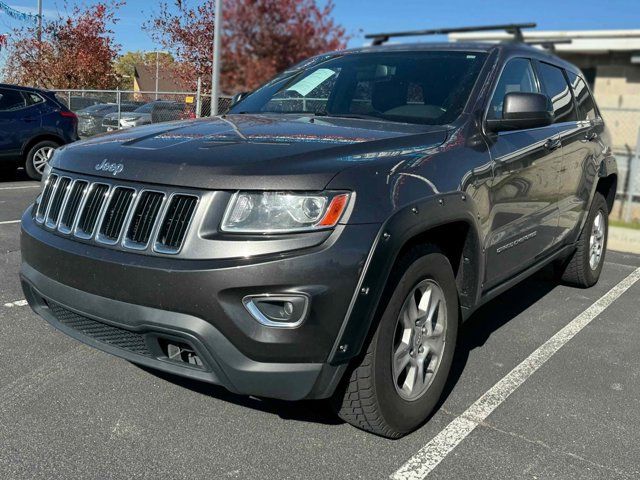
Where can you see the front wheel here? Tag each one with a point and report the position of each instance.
(38, 158)
(396, 385)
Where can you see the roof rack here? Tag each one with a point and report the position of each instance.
(513, 28)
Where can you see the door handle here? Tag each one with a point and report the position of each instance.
(591, 136)
(552, 144)
(29, 119)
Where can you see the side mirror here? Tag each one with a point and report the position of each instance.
(239, 96)
(523, 110)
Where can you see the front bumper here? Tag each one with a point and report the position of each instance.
(130, 305)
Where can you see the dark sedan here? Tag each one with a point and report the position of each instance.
(33, 123)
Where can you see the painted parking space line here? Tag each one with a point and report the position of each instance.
(429, 456)
(9, 222)
(20, 187)
(17, 303)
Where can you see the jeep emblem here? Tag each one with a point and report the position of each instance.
(114, 168)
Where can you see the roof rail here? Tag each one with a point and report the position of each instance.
(513, 28)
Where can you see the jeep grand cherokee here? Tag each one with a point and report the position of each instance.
(327, 236)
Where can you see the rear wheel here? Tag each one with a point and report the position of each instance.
(38, 158)
(584, 267)
(396, 385)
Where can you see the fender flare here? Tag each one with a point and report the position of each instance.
(406, 224)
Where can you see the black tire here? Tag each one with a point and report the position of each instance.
(367, 397)
(577, 271)
(29, 166)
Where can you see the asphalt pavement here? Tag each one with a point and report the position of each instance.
(553, 371)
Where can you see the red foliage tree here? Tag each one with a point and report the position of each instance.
(77, 51)
(260, 37)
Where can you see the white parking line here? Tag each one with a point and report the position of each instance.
(17, 303)
(20, 187)
(9, 222)
(429, 456)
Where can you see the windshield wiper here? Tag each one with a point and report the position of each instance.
(360, 116)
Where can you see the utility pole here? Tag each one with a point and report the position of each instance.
(157, 72)
(39, 21)
(215, 68)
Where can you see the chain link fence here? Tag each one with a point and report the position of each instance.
(624, 126)
(101, 111)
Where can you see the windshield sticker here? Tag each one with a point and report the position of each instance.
(310, 82)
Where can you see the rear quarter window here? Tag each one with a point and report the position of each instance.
(586, 104)
(556, 87)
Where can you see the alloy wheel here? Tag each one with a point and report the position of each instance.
(41, 158)
(419, 340)
(596, 241)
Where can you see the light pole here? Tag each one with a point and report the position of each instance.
(215, 68)
(39, 21)
(158, 52)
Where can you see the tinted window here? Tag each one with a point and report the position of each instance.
(413, 87)
(11, 100)
(586, 105)
(517, 76)
(556, 87)
(32, 98)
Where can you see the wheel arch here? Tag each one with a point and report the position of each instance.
(447, 221)
(37, 139)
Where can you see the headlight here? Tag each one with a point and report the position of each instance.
(282, 212)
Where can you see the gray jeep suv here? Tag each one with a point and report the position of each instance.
(327, 236)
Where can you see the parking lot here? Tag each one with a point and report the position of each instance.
(546, 385)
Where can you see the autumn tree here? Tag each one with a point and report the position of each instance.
(260, 37)
(76, 51)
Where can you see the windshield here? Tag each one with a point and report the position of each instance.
(146, 108)
(413, 87)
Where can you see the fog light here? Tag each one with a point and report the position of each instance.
(280, 311)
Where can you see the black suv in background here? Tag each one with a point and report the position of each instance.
(326, 237)
(32, 124)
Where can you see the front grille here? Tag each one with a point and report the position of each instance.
(176, 222)
(115, 336)
(117, 215)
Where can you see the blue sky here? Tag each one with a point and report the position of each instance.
(383, 15)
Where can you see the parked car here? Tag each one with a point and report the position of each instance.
(32, 124)
(152, 112)
(327, 236)
(90, 119)
(78, 102)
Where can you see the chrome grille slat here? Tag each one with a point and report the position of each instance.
(144, 218)
(175, 223)
(90, 214)
(118, 215)
(72, 206)
(43, 206)
(115, 215)
(57, 202)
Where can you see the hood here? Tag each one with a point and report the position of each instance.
(273, 152)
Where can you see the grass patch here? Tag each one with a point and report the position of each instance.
(620, 223)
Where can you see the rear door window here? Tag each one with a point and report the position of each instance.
(556, 87)
(517, 76)
(11, 100)
(586, 104)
